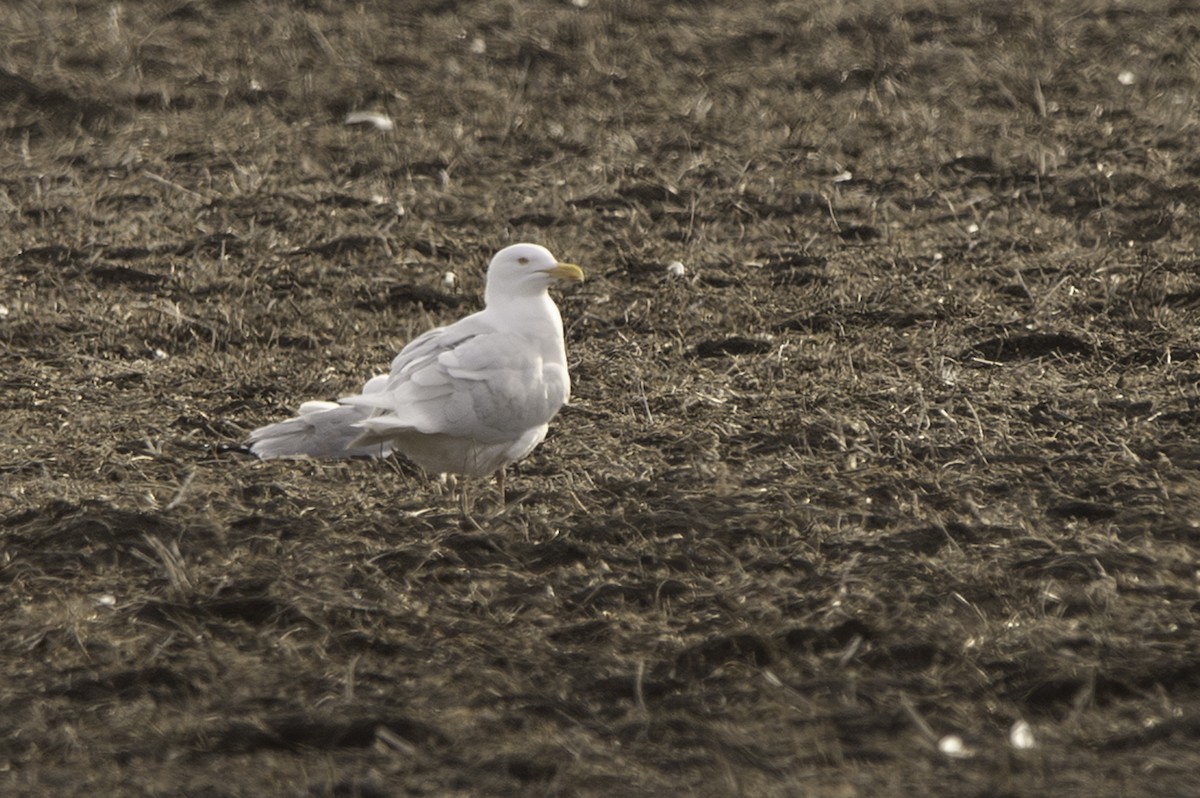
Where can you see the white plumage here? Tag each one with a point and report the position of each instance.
(468, 398)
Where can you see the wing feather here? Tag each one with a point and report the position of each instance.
(468, 380)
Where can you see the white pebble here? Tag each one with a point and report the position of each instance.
(1126, 78)
(1020, 736)
(450, 279)
(380, 121)
(952, 746)
(675, 269)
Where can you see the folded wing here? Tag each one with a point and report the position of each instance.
(471, 382)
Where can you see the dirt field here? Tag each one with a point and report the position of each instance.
(894, 492)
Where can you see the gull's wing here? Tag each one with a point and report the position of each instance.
(328, 429)
(468, 380)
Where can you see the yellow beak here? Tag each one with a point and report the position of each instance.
(566, 271)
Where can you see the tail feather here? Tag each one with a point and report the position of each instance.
(322, 429)
(377, 430)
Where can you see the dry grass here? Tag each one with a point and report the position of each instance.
(906, 453)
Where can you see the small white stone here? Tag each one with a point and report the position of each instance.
(1126, 78)
(478, 46)
(4, 311)
(952, 746)
(843, 176)
(972, 228)
(675, 269)
(1020, 736)
(379, 121)
(107, 600)
(450, 279)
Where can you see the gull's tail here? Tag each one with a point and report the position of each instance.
(322, 429)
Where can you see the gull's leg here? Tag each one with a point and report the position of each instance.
(464, 502)
(461, 485)
(500, 484)
(457, 489)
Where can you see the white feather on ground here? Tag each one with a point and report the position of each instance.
(468, 398)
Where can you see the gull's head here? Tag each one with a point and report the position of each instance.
(526, 269)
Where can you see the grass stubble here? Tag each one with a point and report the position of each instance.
(905, 455)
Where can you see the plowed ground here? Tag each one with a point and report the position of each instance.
(905, 459)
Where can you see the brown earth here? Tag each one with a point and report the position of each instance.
(907, 455)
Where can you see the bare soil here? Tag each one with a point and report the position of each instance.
(906, 459)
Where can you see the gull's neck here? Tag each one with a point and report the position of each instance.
(524, 310)
(499, 297)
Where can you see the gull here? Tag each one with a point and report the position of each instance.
(465, 399)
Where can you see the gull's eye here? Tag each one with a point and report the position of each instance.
(522, 261)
